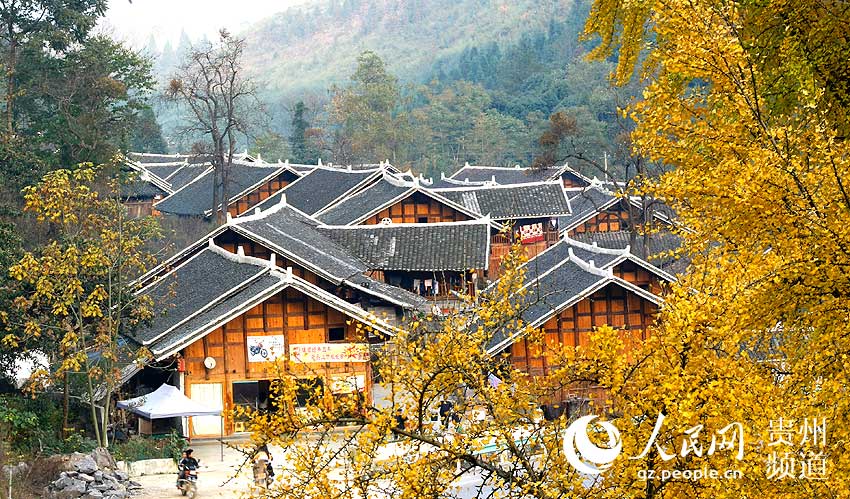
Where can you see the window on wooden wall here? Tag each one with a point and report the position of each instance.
(336, 334)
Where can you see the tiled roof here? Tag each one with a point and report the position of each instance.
(563, 275)
(660, 250)
(189, 289)
(449, 183)
(505, 175)
(365, 203)
(185, 174)
(142, 189)
(517, 175)
(195, 198)
(194, 305)
(165, 170)
(295, 235)
(320, 188)
(504, 202)
(292, 234)
(455, 246)
(585, 204)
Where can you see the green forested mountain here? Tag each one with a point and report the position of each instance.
(310, 47)
(469, 80)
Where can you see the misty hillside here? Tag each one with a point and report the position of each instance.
(309, 47)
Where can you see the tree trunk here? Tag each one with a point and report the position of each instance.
(216, 173)
(10, 85)
(66, 403)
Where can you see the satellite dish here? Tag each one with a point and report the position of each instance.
(209, 363)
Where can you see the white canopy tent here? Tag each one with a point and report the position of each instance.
(168, 401)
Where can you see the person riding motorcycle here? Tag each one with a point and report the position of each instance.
(187, 462)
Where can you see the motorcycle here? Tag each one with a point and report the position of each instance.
(187, 480)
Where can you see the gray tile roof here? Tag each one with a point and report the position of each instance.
(517, 201)
(141, 189)
(190, 288)
(563, 275)
(163, 171)
(321, 187)
(185, 174)
(450, 183)
(290, 233)
(455, 246)
(549, 291)
(505, 175)
(295, 235)
(195, 198)
(585, 204)
(659, 249)
(364, 204)
(238, 300)
(193, 304)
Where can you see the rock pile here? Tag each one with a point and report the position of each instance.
(90, 476)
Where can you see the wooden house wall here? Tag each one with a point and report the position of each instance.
(612, 305)
(137, 208)
(253, 198)
(418, 208)
(299, 318)
(501, 243)
(640, 277)
(613, 219)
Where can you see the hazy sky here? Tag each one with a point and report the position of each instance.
(135, 22)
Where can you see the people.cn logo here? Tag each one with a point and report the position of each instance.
(583, 454)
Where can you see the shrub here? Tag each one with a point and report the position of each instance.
(138, 448)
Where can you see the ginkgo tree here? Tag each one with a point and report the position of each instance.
(749, 103)
(78, 290)
(495, 442)
(741, 390)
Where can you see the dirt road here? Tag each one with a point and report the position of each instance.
(214, 476)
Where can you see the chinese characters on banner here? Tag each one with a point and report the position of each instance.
(329, 352)
(265, 348)
(797, 449)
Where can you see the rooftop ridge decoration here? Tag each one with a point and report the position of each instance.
(343, 169)
(588, 266)
(485, 220)
(399, 181)
(258, 213)
(240, 257)
(495, 185)
(146, 175)
(157, 155)
(595, 248)
(466, 181)
(170, 163)
(596, 183)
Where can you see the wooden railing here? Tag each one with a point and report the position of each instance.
(550, 237)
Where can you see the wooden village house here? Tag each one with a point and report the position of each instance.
(317, 265)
